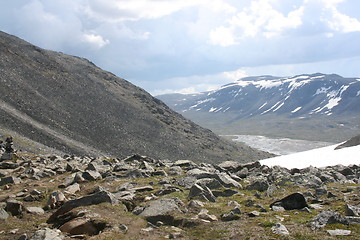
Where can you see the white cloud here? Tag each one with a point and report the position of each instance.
(260, 18)
(222, 36)
(341, 22)
(236, 75)
(96, 40)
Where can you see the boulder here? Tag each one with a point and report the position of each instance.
(211, 183)
(293, 201)
(231, 166)
(202, 193)
(327, 217)
(92, 199)
(163, 210)
(91, 175)
(185, 164)
(14, 207)
(79, 226)
(258, 185)
(175, 170)
(9, 180)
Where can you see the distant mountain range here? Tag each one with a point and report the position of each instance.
(53, 102)
(309, 106)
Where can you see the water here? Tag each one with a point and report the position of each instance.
(279, 146)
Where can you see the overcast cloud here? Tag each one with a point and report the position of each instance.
(194, 45)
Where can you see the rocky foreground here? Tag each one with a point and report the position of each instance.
(52, 197)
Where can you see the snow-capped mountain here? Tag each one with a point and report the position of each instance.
(296, 96)
(307, 96)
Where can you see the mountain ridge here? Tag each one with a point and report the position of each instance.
(327, 98)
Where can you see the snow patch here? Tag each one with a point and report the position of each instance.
(322, 90)
(265, 104)
(296, 110)
(282, 104)
(321, 157)
(212, 109)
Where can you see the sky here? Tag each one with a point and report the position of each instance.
(187, 46)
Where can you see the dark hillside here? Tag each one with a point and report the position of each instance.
(69, 104)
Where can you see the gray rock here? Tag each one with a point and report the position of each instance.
(339, 232)
(196, 204)
(327, 217)
(353, 220)
(175, 170)
(185, 164)
(352, 210)
(211, 183)
(293, 201)
(231, 166)
(8, 165)
(9, 180)
(72, 189)
(186, 182)
(35, 210)
(47, 234)
(280, 229)
(3, 214)
(56, 199)
(91, 175)
(163, 210)
(93, 199)
(227, 181)
(232, 215)
(202, 193)
(258, 185)
(224, 193)
(80, 225)
(14, 207)
(254, 214)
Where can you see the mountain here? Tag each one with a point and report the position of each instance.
(309, 106)
(50, 100)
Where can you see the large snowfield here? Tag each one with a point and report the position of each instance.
(321, 157)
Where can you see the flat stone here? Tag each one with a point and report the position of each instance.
(339, 232)
(163, 210)
(47, 234)
(35, 210)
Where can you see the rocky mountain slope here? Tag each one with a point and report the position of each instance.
(48, 197)
(316, 106)
(50, 101)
